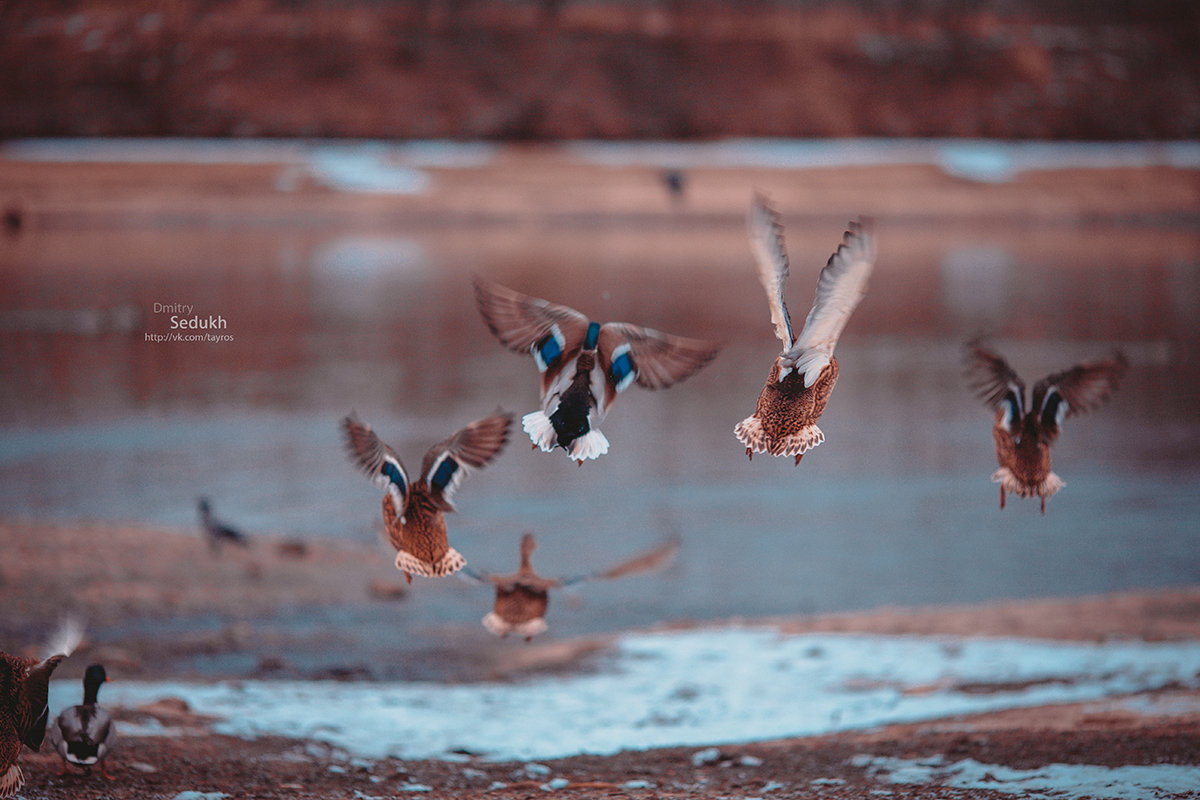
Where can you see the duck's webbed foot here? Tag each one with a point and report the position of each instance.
(798, 457)
(1002, 497)
(749, 454)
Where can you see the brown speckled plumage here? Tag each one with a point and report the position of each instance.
(24, 684)
(784, 422)
(1024, 437)
(413, 511)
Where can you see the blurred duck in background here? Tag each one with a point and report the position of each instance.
(523, 596)
(1024, 435)
(84, 735)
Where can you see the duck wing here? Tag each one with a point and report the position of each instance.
(1077, 390)
(652, 358)
(650, 560)
(996, 383)
(381, 464)
(551, 333)
(448, 462)
(840, 287)
(766, 242)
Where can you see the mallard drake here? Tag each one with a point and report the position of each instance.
(784, 422)
(584, 364)
(217, 532)
(413, 511)
(24, 684)
(523, 596)
(1024, 437)
(84, 735)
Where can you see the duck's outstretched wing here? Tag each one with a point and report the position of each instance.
(651, 560)
(376, 459)
(996, 383)
(840, 287)
(766, 242)
(1077, 390)
(551, 333)
(449, 461)
(652, 358)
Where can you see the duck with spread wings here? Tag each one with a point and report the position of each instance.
(523, 596)
(413, 511)
(1024, 435)
(584, 364)
(784, 422)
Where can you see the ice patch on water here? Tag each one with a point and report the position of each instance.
(691, 688)
(1051, 782)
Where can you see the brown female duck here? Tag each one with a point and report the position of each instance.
(413, 511)
(584, 364)
(784, 422)
(523, 596)
(24, 684)
(1024, 437)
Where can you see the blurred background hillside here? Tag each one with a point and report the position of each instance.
(613, 69)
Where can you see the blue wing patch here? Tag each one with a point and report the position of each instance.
(394, 475)
(548, 351)
(444, 474)
(622, 372)
(593, 336)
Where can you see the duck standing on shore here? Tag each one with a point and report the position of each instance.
(84, 734)
(24, 685)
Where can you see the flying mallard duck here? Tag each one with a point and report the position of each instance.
(413, 512)
(798, 386)
(85, 734)
(24, 683)
(523, 596)
(584, 364)
(217, 532)
(1023, 438)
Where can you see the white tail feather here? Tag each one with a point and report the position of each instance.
(540, 430)
(501, 627)
(593, 444)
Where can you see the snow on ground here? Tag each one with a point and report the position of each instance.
(1052, 782)
(682, 688)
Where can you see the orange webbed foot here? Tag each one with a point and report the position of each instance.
(798, 457)
(1043, 506)
(1001, 497)
(749, 454)
(104, 773)
(408, 577)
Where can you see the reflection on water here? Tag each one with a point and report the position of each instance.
(895, 507)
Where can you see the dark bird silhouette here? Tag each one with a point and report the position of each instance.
(676, 181)
(84, 735)
(523, 597)
(216, 531)
(1023, 435)
(584, 364)
(802, 377)
(413, 512)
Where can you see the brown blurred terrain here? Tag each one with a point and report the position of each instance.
(614, 69)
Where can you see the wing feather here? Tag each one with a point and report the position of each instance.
(1083, 388)
(651, 560)
(380, 462)
(448, 462)
(766, 242)
(996, 383)
(840, 287)
(527, 324)
(655, 359)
